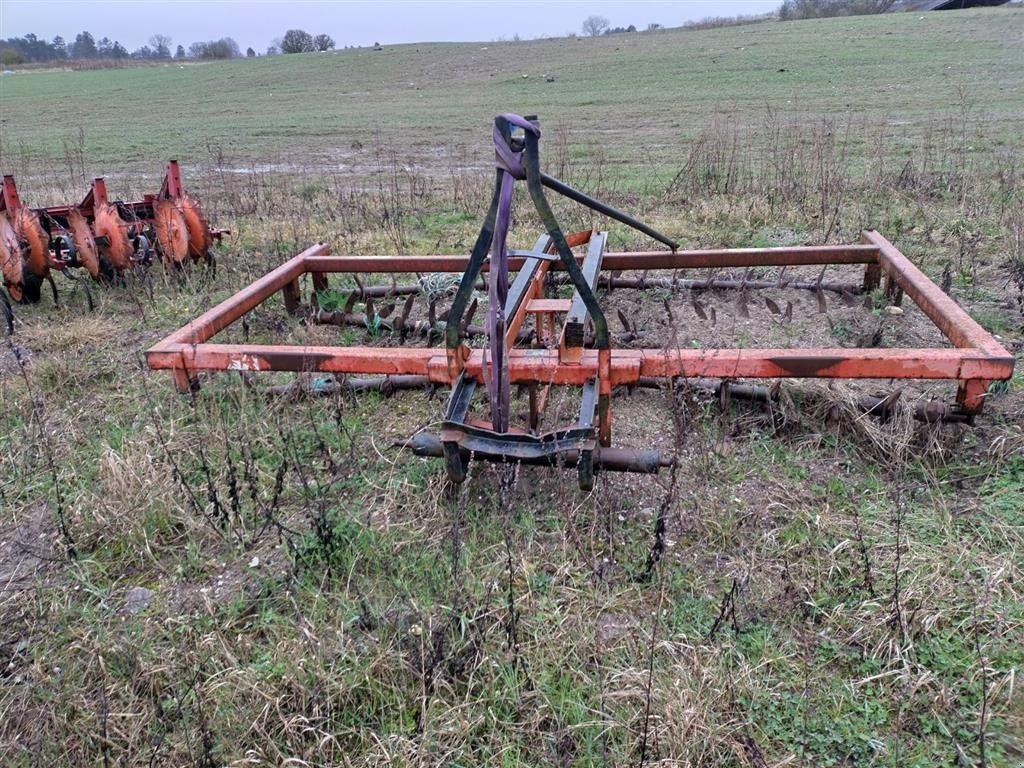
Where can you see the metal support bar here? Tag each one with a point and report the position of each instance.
(576, 320)
(613, 213)
(605, 459)
(458, 408)
(469, 275)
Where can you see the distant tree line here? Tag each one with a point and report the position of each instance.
(300, 41)
(819, 9)
(225, 48)
(33, 49)
(595, 26)
(714, 22)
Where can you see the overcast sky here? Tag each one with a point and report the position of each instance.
(257, 22)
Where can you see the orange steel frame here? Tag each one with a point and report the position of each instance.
(975, 360)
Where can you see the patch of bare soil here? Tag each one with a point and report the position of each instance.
(30, 555)
(28, 549)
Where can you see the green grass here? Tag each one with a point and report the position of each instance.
(665, 88)
(833, 591)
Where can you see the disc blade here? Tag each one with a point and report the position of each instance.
(118, 248)
(85, 244)
(10, 259)
(171, 231)
(199, 240)
(37, 244)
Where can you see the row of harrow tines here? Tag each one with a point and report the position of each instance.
(106, 238)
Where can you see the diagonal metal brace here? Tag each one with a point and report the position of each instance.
(534, 184)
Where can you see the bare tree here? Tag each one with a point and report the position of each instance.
(595, 25)
(161, 45)
(225, 48)
(323, 42)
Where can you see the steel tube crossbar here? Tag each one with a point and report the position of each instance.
(956, 325)
(975, 360)
(627, 365)
(224, 314)
(615, 261)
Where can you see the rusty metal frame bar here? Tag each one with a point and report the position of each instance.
(975, 360)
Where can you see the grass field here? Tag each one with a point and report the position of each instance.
(246, 580)
(638, 96)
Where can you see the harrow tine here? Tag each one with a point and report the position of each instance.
(788, 314)
(624, 320)
(782, 274)
(350, 302)
(713, 315)
(774, 308)
(401, 322)
(741, 301)
(741, 304)
(699, 309)
(822, 303)
(848, 299)
(385, 313)
(370, 316)
(821, 275)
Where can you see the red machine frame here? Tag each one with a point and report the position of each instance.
(975, 360)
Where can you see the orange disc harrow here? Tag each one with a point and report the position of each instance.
(172, 234)
(109, 224)
(11, 262)
(85, 244)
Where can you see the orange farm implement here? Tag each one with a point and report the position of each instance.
(105, 238)
(538, 342)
